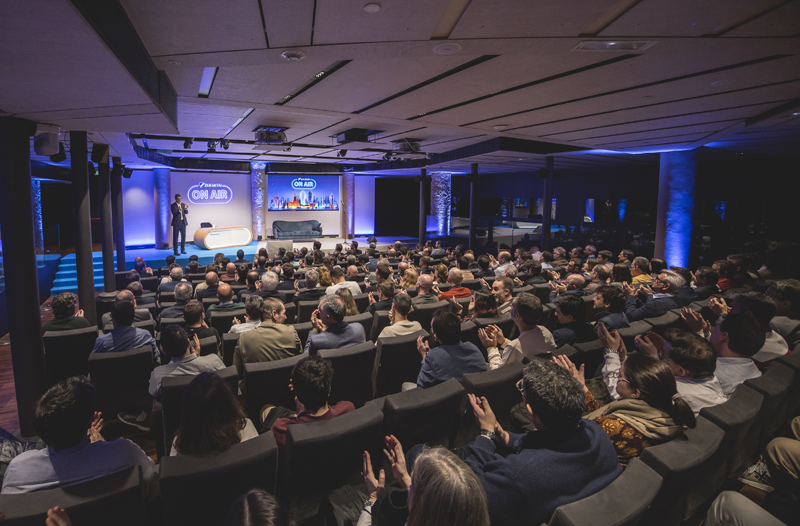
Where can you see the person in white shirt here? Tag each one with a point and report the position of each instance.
(398, 315)
(504, 260)
(339, 282)
(533, 340)
(252, 317)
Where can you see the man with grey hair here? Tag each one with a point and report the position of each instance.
(504, 261)
(510, 271)
(183, 293)
(139, 314)
(454, 277)
(252, 316)
(269, 287)
(311, 292)
(351, 260)
(175, 277)
(330, 329)
(656, 301)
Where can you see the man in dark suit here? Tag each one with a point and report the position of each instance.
(179, 222)
(240, 258)
(311, 292)
(657, 301)
(183, 293)
(139, 314)
(138, 293)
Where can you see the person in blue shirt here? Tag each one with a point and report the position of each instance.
(330, 330)
(452, 358)
(125, 337)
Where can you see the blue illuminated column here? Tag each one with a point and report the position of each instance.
(440, 201)
(163, 201)
(589, 209)
(676, 183)
(36, 201)
(258, 197)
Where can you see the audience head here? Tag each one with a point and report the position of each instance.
(262, 252)
(555, 399)
(640, 266)
(689, 355)
(386, 289)
(135, 288)
(269, 281)
(123, 313)
(604, 256)
(312, 278)
(531, 268)
(570, 309)
(383, 272)
(337, 274)
(174, 342)
(483, 262)
(590, 250)
(739, 333)
(351, 309)
(257, 508)
(176, 274)
(64, 304)
(526, 310)
(273, 310)
(241, 272)
(657, 265)
(212, 279)
(454, 276)
(252, 278)
(171, 259)
(626, 255)
(685, 273)
(125, 295)
(401, 306)
(620, 273)
(64, 413)
(758, 306)
(194, 267)
(211, 419)
(485, 305)
(410, 277)
(600, 273)
(510, 271)
(575, 282)
(239, 254)
(132, 276)
(425, 283)
(225, 262)
(183, 292)
(609, 298)
(502, 289)
(262, 261)
(311, 382)
(218, 257)
(669, 282)
(352, 271)
(724, 268)
(446, 327)
(224, 293)
(706, 277)
(193, 313)
(785, 293)
(332, 309)
(441, 273)
(138, 263)
(230, 269)
(252, 307)
(324, 277)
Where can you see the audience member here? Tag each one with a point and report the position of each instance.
(212, 285)
(409, 280)
(67, 318)
(351, 309)
(762, 309)
(226, 303)
(705, 280)
(252, 316)
(240, 258)
(657, 301)
(640, 271)
(571, 326)
(269, 287)
(385, 295)
(138, 294)
(657, 265)
(339, 282)
(531, 274)
(424, 291)
(456, 291)
(311, 292)
(398, 317)
(251, 285)
(483, 305)
(203, 285)
(212, 420)
(609, 306)
(502, 289)
(139, 314)
(534, 340)
(257, 508)
(183, 293)
(452, 358)
(785, 294)
(141, 268)
(330, 330)
(440, 273)
(324, 277)
(626, 257)
(620, 273)
(726, 271)
(483, 267)
(503, 261)
(572, 285)
(598, 277)
(462, 263)
(175, 277)
(124, 337)
(604, 258)
(76, 451)
(196, 324)
(185, 359)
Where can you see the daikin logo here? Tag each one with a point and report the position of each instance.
(210, 194)
(303, 183)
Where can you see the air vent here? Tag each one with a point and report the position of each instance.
(614, 45)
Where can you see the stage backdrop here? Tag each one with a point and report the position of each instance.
(217, 198)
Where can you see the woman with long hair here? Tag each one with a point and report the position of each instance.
(410, 278)
(349, 302)
(441, 274)
(442, 490)
(324, 277)
(649, 410)
(212, 420)
(620, 274)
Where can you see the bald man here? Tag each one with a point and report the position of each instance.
(140, 314)
(226, 303)
(573, 284)
(230, 272)
(141, 268)
(424, 291)
(212, 284)
(352, 273)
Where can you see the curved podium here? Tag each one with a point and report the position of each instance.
(223, 237)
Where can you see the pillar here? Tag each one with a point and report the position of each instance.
(258, 197)
(117, 211)
(441, 194)
(473, 206)
(348, 205)
(423, 205)
(82, 223)
(106, 227)
(163, 214)
(547, 211)
(36, 203)
(676, 180)
(16, 219)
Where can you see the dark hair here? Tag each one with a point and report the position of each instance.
(174, 341)
(602, 271)
(547, 256)
(241, 271)
(572, 305)
(591, 263)
(288, 271)
(621, 273)
(534, 268)
(759, 305)
(240, 254)
(745, 335)
(710, 275)
(692, 352)
(685, 273)
(554, 395)
(446, 326)
(252, 277)
(727, 267)
(612, 296)
(262, 252)
(64, 304)
(192, 312)
(311, 382)
(787, 290)
(629, 255)
(211, 419)
(383, 271)
(337, 272)
(194, 266)
(657, 386)
(462, 263)
(483, 262)
(252, 307)
(170, 260)
(386, 287)
(485, 305)
(528, 307)
(657, 265)
(123, 313)
(262, 261)
(193, 257)
(225, 262)
(402, 304)
(605, 254)
(64, 413)
(132, 276)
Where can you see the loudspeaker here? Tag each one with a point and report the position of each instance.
(127, 173)
(60, 156)
(100, 153)
(46, 144)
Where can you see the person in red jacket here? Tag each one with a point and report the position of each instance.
(454, 277)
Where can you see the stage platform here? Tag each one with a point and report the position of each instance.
(66, 277)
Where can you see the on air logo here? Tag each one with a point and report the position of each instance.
(303, 183)
(210, 194)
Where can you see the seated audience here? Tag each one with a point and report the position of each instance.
(657, 301)
(240, 258)
(175, 277)
(620, 273)
(531, 274)
(576, 455)
(226, 303)
(456, 291)
(269, 287)
(657, 265)
(212, 420)
(339, 282)
(325, 277)
(230, 273)
(141, 268)
(138, 294)
(139, 314)
(124, 337)
(462, 263)
(210, 290)
(424, 291)
(288, 278)
(559, 257)
(311, 292)
(626, 258)
(76, 452)
(185, 359)
(726, 271)
(503, 261)
(67, 318)
(203, 285)
(330, 330)
(441, 274)
(270, 341)
(785, 294)
(482, 305)
(533, 340)
(251, 285)
(385, 295)
(252, 317)
(311, 383)
(571, 326)
(649, 411)
(257, 508)
(452, 358)
(351, 309)
(483, 268)
(705, 280)
(572, 285)
(604, 258)
(409, 280)
(183, 293)
(598, 277)
(640, 271)
(196, 324)
(398, 316)
(609, 306)
(502, 289)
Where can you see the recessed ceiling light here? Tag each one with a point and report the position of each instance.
(293, 55)
(450, 48)
(372, 8)
(174, 63)
(500, 126)
(720, 83)
(614, 45)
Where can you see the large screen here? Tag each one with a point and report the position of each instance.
(293, 192)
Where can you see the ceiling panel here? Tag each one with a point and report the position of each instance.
(364, 82)
(345, 21)
(288, 22)
(612, 134)
(680, 18)
(522, 18)
(191, 26)
(781, 22)
(264, 84)
(185, 79)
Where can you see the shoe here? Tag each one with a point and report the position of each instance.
(136, 420)
(176, 253)
(758, 476)
(183, 252)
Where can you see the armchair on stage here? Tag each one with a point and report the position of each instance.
(296, 229)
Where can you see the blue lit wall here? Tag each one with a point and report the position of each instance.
(676, 184)
(441, 191)
(365, 209)
(621, 206)
(139, 208)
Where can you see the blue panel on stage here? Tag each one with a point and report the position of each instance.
(306, 192)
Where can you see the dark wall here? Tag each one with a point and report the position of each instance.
(396, 206)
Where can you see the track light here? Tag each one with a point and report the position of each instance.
(225, 144)
(212, 146)
(187, 144)
(341, 153)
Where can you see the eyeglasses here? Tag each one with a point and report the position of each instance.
(623, 380)
(521, 387)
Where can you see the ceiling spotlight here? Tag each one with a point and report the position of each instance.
(212, 146)
(293, 55)
(372, 8)
(341, 153)
(225, 144)
(187, 144)
(127, 173)
(500, 126)
(387, 156)
(451, 48)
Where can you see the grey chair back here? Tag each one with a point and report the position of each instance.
(472, 284)
(166, 297)
(424, 313)
(268, 383)
(661, 323)
(229, 342)
(792, 361)
(380, 320)
(396, 361)
(774, 385)
(223, 321)
(365, 319)
(291, 312)
(362, 300)
(304, 310)
(67, 353)
(165, 322)
(122, 380)
(636, 328)
(150, 283)
(519, 290)
(208, 346)
(352, 373)
(303, 330)
(207, 302)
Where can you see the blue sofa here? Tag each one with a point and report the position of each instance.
(296, 229)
